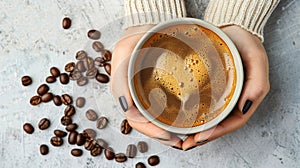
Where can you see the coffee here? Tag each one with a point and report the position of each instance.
(184, 75)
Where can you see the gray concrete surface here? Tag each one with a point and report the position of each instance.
(32, 40)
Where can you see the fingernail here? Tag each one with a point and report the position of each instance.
(202, 142)
(175, 147)
(247, 106)
(161, 139)
(190, 148)
(123, 103)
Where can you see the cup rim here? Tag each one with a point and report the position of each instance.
(237, 62)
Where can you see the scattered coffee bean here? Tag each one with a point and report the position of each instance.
(66, 99)
(153, 160)
(70, 111)
(102, 143)
(56, 141)
(47, 97)
(82, 81)
(89, 63)
(60, 133)
(90, 144)
(80, 55)
(120, 157)
(107, 68)
(89, 133)
(50, 79)
(44, 124)
(109, 153)
(92, 73)
(66, 23)
(80, 102)
(94, 34)
(107, 55)
(102, 78)
(57, 100)
(97, 46)
(142, 147)
(71, 127)
(76, 152)
(91, 115)
(72, 137)
(100, 61)
(102, 122)
(26, 80)
(131, 151)
(44, 149)
(28, 128)
(75, 75)
(64, 78)
(43, 89)
(140, 165)
(35, 100)
(96, 151)
(70, 67)
(125, 127)
(80, 140)
(65, 120)
(80, 66)
(55, 72)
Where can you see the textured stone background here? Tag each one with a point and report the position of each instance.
(32, 40)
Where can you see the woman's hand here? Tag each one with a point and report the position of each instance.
(256, 87)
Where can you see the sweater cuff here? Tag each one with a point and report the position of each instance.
(251, 15)
(141, 12)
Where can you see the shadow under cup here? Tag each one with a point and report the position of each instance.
(185, 75)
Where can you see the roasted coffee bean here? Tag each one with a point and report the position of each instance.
(60, 133)
(107, 55)
(96, 151)
(89, 63)
(80, 55)
(90, 144)
(70, 67)
(75, 75)
(66, 99)
(125, 127)
(47, 97)
(50, 79)
(102, 122)
(70, 111)
(82, 81)
(102, 143)
(72, 127)
(66, 23)
(92, 73)
(72, 137)
(57, 100)
(26, 80)
(65, 120)
(97, 46)
(80, 66)
(142, 147)
(153, 160)
(120, 157)
(91, 115)
(55, 72)
(28, 128)
(44, 124)
(89, 133)
(109, 153)
(76, 152)
(94, 34)
(56, 141)
(102, 78)
(35, 100)
(44, 149)
(80, 140)
(80, 102)
(43, 89)
(100, 61)
(131, 151)
(107, 68)
(140, 165)
(64, 78)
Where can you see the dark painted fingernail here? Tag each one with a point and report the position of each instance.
(247, 106)
(202, 142)
(161, 139)
(123, 103)
(175, 147)
(190, 148)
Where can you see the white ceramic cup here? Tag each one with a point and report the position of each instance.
(237, 63)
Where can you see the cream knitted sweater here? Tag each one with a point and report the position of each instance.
(251, 15)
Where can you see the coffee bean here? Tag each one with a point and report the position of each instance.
(47, 97)
(109, 153)
(66, 99)
(91, 115)
(44, 149)
(80, 102)
(57, 100)
(102, 143)
(60, 133)
(44, 124)
(76, 152)
(80, 140)
(75, 75)
(102, 122)
(56, 141)
(94, 34)
(92, 73)
(140, 165)
(55, 72)
(107, 68)
(70, 67)
(97, 46)
(28, 128)
(100, 61)
(107, 55)
(64, 78)
(82, 81)
(142, 147)
(70, 111)
(80, 55)
(102, 78)
(50, 79)
(80, 66)
(26, 80)
(153, 160)
(66, 23)
(131, 151)
(43, 89)
(90, 144)
(120, 157)
(71, 127)
(65, 120)
(89, 63)
(96, 151)
(35, 100)
(125, 127)
(72, 137)
(89, 133)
